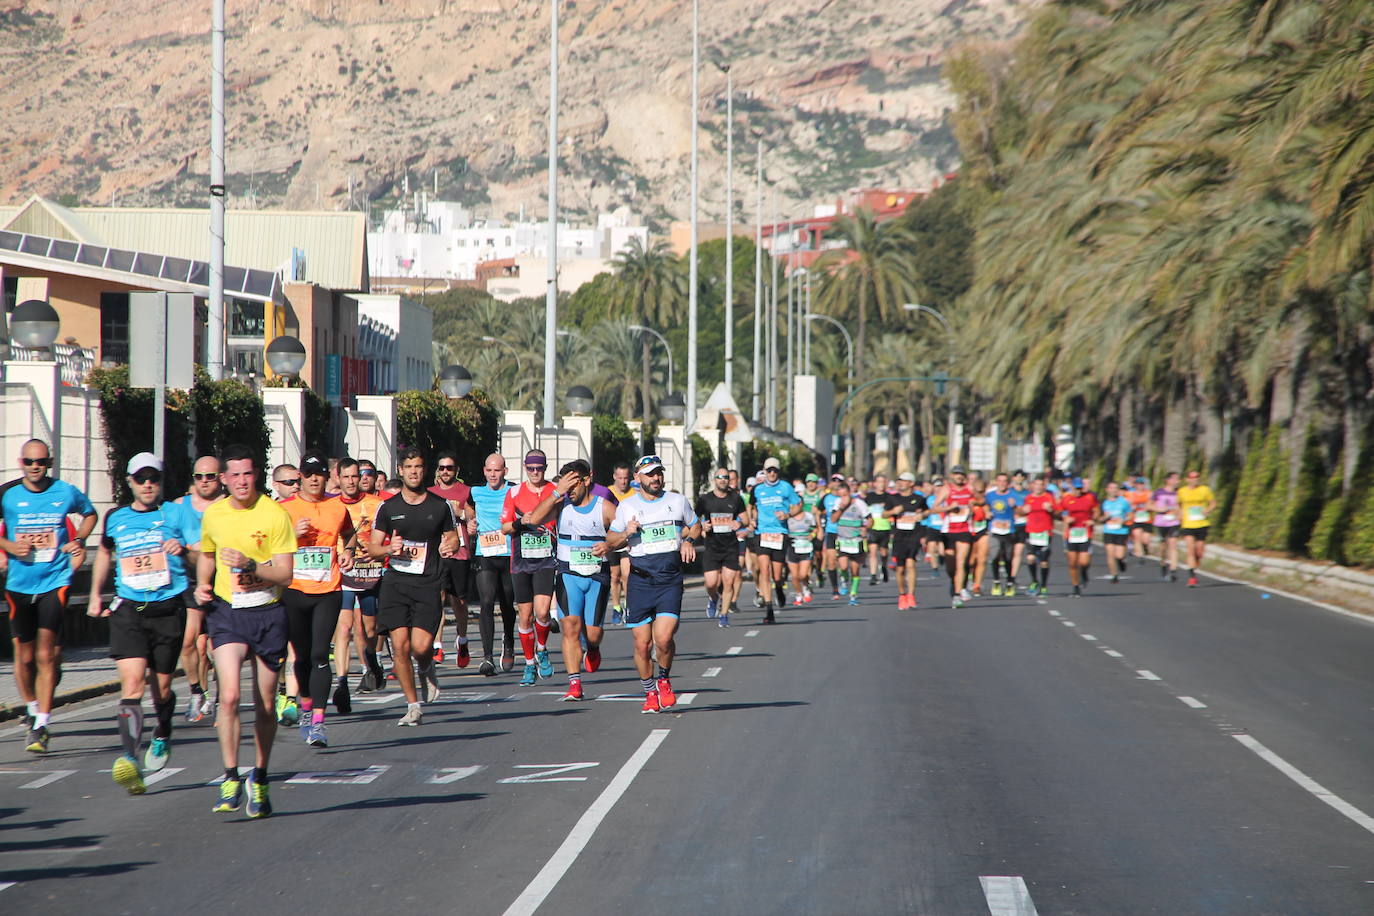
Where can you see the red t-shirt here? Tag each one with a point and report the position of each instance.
(1080, 509)
(461, 494)
(522, 499)
(1040, 512)
(957, 519)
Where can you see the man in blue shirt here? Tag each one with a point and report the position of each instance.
(41, 560)
(144, 541)
(775, 501)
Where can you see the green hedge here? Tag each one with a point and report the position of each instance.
(433, 423)
(612, 444)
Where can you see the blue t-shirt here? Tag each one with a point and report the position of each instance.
(1120, 510)
(1001, 506)
(1020, 497)
(489, 504)
(828, 504)
(770, 499)
(143, 570)
(40, 517)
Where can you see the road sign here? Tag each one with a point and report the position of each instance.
(982, 452)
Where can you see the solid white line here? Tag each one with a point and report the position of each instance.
(1195, 704)
(1307, 782)
(710, 672)
(1089, 637)
(154, 778)
(734, 650)
(752, 633)
(1113, 653)
(620, 698)
(47, 780)
(1147, 675)
(1007, 896)
(563, 858)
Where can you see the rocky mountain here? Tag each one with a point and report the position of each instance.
(108, 100)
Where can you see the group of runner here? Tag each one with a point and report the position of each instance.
(341, 561)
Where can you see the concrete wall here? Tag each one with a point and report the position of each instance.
(413, 325)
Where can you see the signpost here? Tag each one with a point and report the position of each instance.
(161, 350)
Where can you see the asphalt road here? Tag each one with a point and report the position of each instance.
(1145, 749)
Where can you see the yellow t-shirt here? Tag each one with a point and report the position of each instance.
(258, 533)
(1193, 503)
(620, 495)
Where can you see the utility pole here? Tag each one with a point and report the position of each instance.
(729, 231)
(551, 291)
(758, 282)
(692, 268)
(214, 356)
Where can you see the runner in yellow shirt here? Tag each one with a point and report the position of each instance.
(1197, 503)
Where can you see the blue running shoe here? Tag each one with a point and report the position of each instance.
(159, 750)
(853, 599)
(259, 805)
(529, 677)
(712, 606)
(723, 621)
(545, 666)
(315, 737)
(230, 796)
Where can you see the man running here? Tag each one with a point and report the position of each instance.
(1039, 509)
(247, 555)
(851, 518)
(1002, 532)
(620, 560)
(42, 557)
(801, 546)
(775, 501)
(144, 541)
(324, 549)
(368, 479)
(1197, 502)
(583, 575)
(205, 489)
(955, 500)
(457, 570)
(723, 513)
(532, 565)
(829, 561)
(492, 566)
(878, 501)
(1116, 529)
(420, 526)
(361, 584)
(906, 510)
(286, 481)
(660, 529)
(1164, 504)
(1078, 508)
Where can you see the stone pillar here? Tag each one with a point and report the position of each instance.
(44, 377)
(287, 427)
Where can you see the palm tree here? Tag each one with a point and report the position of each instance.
(650, 289)
(614, 363)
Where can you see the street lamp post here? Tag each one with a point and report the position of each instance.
(551, 292)
(773, 324)
(729, 230)
(848, 342)
(639, 328)
(215, 322)
(692, 267)
(952, 423)
(455, 382)
(758, 281)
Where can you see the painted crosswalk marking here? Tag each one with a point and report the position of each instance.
(48, 779)
(1007, 896)
(153, 779)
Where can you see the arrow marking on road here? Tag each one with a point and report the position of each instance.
(547, 772)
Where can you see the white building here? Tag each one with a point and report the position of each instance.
(442, 240)
(401, 330)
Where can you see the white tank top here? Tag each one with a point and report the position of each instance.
(580, 528)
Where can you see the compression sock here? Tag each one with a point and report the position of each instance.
(780, 591)
(130, 725)
(854, 585)
(1044, 575)
(165, 710)
(317, 717)
(834, 580)
(527, 645)
(648, 684)
(541, 634)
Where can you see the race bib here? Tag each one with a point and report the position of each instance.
(1196, 514)
(1142, 516)
(1038, 538)
(582, 561)
(1114, 522)
(720, 523)
(660, 538)
(771, 540)
(1167, 519)
(145, 569)
(907, 522)
(849, 545)
(979, 526)
(492, 544)
(958, 515)
(802, 545)
(1001, 526)
(364, 567)
(249, 590)
(411, 559)
(536, 545)
(1078, 535)
(314, 564)
(44, 541)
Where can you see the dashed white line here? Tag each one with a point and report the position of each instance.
(752, 633)
(1007, 896)
(710, 672)
(1055, 614)
(1068, 623)
(1307, 782)
(1113, 653)
(1147, 675)
(734, 650)
(562, 859)
(1089, 637)
(1194, 703)
(685, 699)
(47, 780)
(6, 885)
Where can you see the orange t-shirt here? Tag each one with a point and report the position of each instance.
(366, 572)
(317, 561)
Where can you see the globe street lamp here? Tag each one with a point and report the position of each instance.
(286, 356)
(34, 325)
(673, 408)
(579, 399)
(455, 382)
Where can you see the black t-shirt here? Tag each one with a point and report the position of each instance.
(916, 503)
(710, 506)
(420, 528)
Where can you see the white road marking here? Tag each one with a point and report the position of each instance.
(1089, 637)
(547, 772)
(1195, 704)
(472, 697)
(1113, 653)
(752, 633)
(355, 777)
(1054, 613)
(684, 699)
(380, 699)
(153, 779)
(1307, 782)
(582, 832)
(47, 780)
(1147, 675)
(1068, 623)
(621, 697)
(1007, 896)
(710, 672)
(445, 775)
(6, 885)
(734, 650)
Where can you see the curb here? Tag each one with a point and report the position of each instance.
(74, 696)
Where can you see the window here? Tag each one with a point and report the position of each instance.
(11, 294)
(114, 328)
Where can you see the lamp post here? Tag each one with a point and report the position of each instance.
(729, 229)
(935, 313)
(215, 323)
(455, 382)
(667, 349)
(848, 342)
(286, 356)
(772, 398)
(758, 281)
(692, 267)
(673, 408)
(34, 325)
(551, 292)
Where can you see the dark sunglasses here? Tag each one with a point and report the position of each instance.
(41, 462)
(535, 467)
(293, 482)
(365, 472)
(143, 477)
(447, 467)
(722, 477)
(205, 476)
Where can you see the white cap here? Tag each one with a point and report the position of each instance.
(144, 460)
(772, 464)
(908, 476)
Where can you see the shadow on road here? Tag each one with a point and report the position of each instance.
(65, 842)
(369, 804)
(24, 875)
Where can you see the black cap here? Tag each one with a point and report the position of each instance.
(313, 463)
(958, 469)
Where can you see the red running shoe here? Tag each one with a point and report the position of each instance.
(666, 697)
(1192, 581)
(592, 660)
(438, 656)
(574, 692)
(464, 657)
(650, 702)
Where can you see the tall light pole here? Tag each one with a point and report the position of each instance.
(551, 293)
(729, 230)
(773, 325)
(791, 335)
(954, 390)
(692, 267)
(214, 325)
(666, 349)
(848, 343)
(758, 282)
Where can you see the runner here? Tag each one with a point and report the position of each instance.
(1142, 527)
(1116, 521)
(660, 530)
(361, 584)
(145, 542)
(325, 538)
(829, 559)
(532, 565)
(420, 526)
(1001, 505)
(978, 527)
(1039, 509)
(878, 501)
(1164, 504)
(493, 566)
(801, 547)
(620, 560)
(723, 510)
(907, 509)
(1019, 492)
(286, 481)
(457, 570)
(42, 555)
(195, 646)
(1078, 508)
(1197, 502)
(583, 573)
(851, 518)
(774, 502)
(934, 524)
(247, 557)
(955, 499)
(368, 477)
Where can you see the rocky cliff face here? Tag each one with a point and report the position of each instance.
(108, 100)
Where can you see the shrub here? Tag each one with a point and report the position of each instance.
(612, 444)
(1305, 499)
(703, 457)
(127, 415)
(433, 423)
